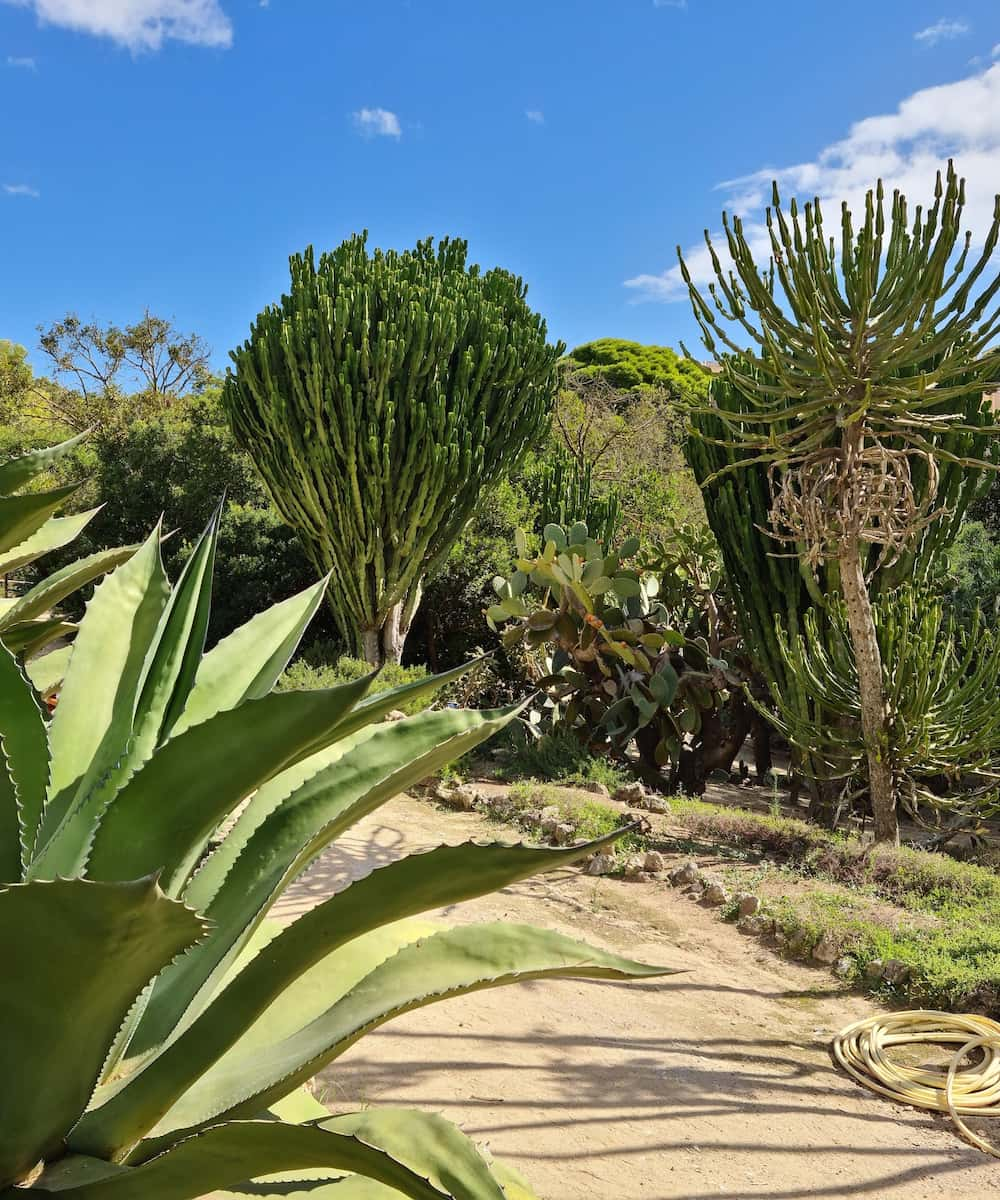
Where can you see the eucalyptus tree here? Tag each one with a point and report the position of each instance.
(863, 353)
(379, 398)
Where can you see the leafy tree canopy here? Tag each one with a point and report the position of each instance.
(628, 365)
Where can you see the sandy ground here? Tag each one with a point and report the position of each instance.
(716, 1083)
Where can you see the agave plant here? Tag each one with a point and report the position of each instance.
(156, 1030)
(29, 529)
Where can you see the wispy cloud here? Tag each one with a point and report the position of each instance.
(21, 189)
(536, 115)
(945, 30)
(905, 148)
(138, 24)
(377, 122)
(25, 64)
(670, 3)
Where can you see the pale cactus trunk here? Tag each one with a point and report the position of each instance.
(871, 694)
(385, 643)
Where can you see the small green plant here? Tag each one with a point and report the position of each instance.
(308, 674)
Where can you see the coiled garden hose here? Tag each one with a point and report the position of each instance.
(962, 1089)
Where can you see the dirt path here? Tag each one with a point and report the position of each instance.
(713, 1084)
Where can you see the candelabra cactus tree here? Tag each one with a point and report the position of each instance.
(378, 398)
(857, 390)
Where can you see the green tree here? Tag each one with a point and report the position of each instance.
(625, 366)
(379, 398)
(863, 369)
(178, 464)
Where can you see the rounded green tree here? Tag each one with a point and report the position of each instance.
(378, 399)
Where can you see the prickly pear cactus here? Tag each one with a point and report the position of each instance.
(615, 666)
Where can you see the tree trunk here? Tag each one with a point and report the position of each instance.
(385, 643)
(760, 734)
(872, 697)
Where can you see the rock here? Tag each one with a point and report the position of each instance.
(631, 793)
(655, 803)
(800, 943)
(827, 949)
(462, 798)
(895, 972)
(640, 822)
(601, 864)
(634, 867)
(875, 970)
(715, 893)
(549, 818)
(686, 872)
(564, 833)
(599, 789)
(396, 714)
(532, 817)
(844, 968)
(654, 862)
(757, 925)
(748, 904)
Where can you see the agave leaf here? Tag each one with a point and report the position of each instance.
(180, 641)
(24, 777)
(360, 723)
(91, 945)
(19, 471)
(53, 535)
(57, 586)
(46, 671)
(377, 763)
(22, 516)
(246, 664)
(91, 727)
(28, 637)
(261, 1069)
(163, 817)
(447, 875)
(421, 1155)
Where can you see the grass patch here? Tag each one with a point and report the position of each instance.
(591, 819)
(561, 757)
(951, 946)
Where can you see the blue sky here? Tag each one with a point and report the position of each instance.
(172, 153)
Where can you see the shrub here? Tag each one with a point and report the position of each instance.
(308, 674)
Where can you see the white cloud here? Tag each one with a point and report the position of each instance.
(138, 24)
(21, 189)
(956, 120)
(536, 115)
(670, 3)
(377, 122)
(995, 52)
(26, 64)
(944, 30)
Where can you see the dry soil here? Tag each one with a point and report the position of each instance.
(715, 1083)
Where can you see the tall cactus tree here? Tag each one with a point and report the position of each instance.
(774, 590)
(862, 366)
(378, 399)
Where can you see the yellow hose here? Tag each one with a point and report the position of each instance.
(961, 1090)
